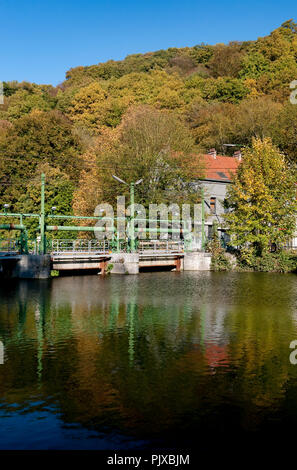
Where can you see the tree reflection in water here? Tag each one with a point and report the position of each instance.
(151, 358)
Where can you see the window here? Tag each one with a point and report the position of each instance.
(209, 232)
(212, 204)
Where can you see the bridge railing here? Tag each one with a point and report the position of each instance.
(79, 246)
(164, 246)
(67, 246)
(62, 246)
(9, 246)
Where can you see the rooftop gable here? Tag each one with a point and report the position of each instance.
(220, 167)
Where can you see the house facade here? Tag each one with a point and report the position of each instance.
(218, 177)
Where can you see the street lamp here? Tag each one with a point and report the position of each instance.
(119, 180)
(124, 182)
(6, 207)
(233, 145)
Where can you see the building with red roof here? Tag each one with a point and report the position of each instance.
(220, 167)
(219, 170)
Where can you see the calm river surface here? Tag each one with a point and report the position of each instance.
(153, 360)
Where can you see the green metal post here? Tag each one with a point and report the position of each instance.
(118, 242)
(132, 217)
(202, 220)
(23, 237)
(42, 217)
(24, 242)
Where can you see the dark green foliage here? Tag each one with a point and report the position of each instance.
(280, 262)
(35, 140)
(9, 88)
(253, 65)
(58, 193)
(201, 53)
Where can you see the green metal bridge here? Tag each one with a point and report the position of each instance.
(42, 244)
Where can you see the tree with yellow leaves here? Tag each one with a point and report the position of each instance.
(87, 106)
(262, 200)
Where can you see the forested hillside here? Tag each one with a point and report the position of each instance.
(144, 115)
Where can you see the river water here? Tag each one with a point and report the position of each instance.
(152, 360)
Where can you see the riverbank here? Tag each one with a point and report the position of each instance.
(246, 261)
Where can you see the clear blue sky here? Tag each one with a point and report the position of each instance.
(41, 40)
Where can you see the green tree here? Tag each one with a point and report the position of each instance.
(253, 65)
(262, 200)
(39, 137)
(58, 193)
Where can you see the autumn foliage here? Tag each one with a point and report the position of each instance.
(149, 116)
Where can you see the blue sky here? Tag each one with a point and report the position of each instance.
(41, 40)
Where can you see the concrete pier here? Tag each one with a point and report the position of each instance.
(33, 267)
(124, 263)
(25, 267)
(39, 266)
(129, 263)
(197, 261)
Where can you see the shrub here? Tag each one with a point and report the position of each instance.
(219, 260)
(279, 262)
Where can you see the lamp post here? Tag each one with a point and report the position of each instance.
(132, 187)
(42, 216)
(6, 207)
(202, 220)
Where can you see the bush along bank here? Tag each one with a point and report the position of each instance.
(247, 259)
(279, 261)
(241, 261)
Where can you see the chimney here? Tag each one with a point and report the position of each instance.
(213, 153)
(237, 155)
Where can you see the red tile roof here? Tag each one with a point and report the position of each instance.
(220, 167)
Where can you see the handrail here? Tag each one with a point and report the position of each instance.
(69, 246)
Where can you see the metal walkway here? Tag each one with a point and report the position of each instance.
(80, 254)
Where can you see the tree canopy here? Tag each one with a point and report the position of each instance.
(212, 94)
(262, 201)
